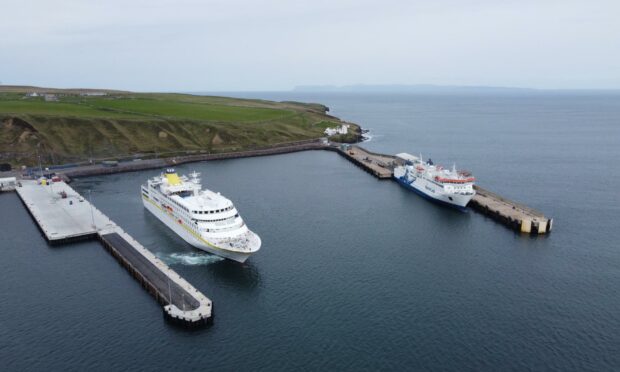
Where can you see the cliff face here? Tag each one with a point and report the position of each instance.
(17, 139)
(75, 128)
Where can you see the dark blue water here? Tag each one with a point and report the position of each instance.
(355, 273)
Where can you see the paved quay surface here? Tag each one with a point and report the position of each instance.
(379, 165)
(61, 218)
(513, 214)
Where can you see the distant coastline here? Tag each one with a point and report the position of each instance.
(441, 89)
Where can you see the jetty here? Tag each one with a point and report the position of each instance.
(510, 213)
(65, 216)
(514, 215)
(379, 165)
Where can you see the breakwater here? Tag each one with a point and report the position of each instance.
(138, 165)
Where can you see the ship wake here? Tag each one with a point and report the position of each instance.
(189, 259)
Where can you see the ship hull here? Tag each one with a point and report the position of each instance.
(458, 202)
(181, 231)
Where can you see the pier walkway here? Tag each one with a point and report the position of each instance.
(512, 214)
(379, 165)
(63, 215)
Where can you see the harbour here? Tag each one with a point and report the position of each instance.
(64, 216)
(322, 259)
(356, 186)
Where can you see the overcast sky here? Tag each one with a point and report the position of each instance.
(193, 45)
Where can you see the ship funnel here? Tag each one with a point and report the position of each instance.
(195, 177)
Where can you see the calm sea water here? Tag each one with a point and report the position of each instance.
(354, 273)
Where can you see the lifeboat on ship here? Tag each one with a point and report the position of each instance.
(454, 180)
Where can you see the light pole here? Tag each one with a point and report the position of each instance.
(39, 157)
(169, 292)
(92, 215)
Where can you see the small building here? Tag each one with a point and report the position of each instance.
(51, 98)
(32, 94)
(93, 94)
(343, 129)
(8, 184)
(405, 158)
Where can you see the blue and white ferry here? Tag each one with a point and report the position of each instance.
(445, 186)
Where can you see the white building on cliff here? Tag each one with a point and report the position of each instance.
(343, 129)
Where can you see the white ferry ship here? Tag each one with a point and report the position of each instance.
(450, 187)
(203, 218)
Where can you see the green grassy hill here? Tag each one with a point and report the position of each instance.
(73, 127)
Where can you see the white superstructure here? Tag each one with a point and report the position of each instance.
(452, 187)
(343, 129)
(203, 218)
(8, 184)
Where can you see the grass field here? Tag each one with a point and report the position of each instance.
(76, 128)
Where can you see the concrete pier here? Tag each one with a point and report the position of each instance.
(63, 215)
(516, 216)
(60, 219)
(379, 165)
